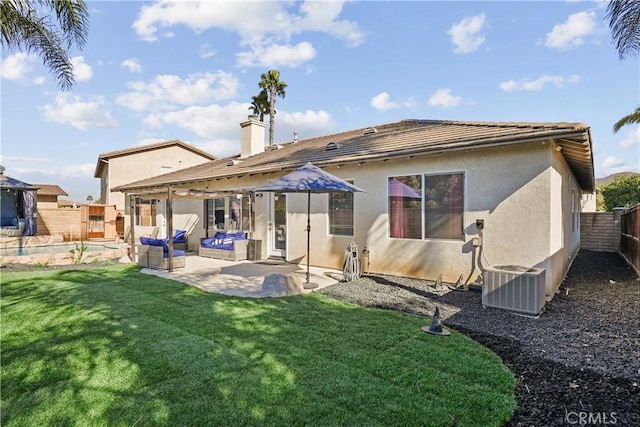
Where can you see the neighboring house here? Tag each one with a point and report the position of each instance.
(522, 181)
(48, 195)
(120, 167)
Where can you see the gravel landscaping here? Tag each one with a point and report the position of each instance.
(577, 363)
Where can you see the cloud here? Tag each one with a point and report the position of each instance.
(39, 81)
(612, 162)
(277, 55)
(443, 98)
(206, 51)
(263, 27)
(132, 65)
(539, 83)
(71, 110)
(632, 139)
(218, 125)
(572, 32)
(381, 102)
(169, 91)
(17, 66)
(467, 34)
(81, 70)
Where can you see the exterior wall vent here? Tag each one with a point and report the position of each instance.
(332, 146)
(514, 288)
(369, 131)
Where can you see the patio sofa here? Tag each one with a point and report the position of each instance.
(231, 246)
(154, 253)
(12, 227)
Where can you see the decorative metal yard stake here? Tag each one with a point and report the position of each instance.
(435, 327)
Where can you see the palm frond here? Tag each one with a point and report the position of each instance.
(627, 120)
(624, 22)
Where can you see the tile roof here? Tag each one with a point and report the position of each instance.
(50, 190)
(402, 138)
(149, 147)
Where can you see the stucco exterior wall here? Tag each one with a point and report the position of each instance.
(522, 192)
(137, 166)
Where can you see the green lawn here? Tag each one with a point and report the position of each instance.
(111, 346)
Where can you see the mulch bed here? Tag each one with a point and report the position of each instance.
(577, 364)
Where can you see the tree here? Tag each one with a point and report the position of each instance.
(260, 104)
(622, 191)
(89, 198)
(627, 120)
(624, 22)
(26, 27)
(271, 83)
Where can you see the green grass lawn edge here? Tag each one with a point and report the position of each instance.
(112, 346)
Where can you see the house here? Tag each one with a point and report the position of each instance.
(48, 195)
(442, 197)
(120, 167)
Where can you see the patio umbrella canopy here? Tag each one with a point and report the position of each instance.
(309, 179)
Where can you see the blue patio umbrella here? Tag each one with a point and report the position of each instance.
(309, 179)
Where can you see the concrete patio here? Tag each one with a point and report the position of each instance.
(241, 278)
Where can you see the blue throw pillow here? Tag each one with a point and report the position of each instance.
(208, 241)
(179, 234)
(227, 241)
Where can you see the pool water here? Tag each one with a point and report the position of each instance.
(60, 248)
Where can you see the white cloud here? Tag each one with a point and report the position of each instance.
(539, 83)
(443, 98)
(382, 102)
(277, 55)
(263, 27)
(612, 162)
(168, 91)
(132, 65)
(632, 139)
(206, 51)
(16, 66)
(467, 35)
(71, 110)
(81, 70)
(39, 81)
(572, 33)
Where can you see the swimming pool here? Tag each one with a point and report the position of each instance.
(58, 248)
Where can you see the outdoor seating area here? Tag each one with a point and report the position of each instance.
(12, 227)
(230, 246)
(154, 253)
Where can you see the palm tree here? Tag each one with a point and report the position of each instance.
(627, 120)
(24, 30)
(624, 22)
(271, 83)
(260, 104)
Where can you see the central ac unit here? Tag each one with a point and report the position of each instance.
(515, 288)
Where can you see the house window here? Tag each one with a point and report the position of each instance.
(341, 213)
(146, 212)
(405, 206)
(433, 203)
(444, 206)
(228, 213)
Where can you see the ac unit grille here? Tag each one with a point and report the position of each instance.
(520, 291)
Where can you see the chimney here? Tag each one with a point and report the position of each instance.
(295, 137)
(251, 137)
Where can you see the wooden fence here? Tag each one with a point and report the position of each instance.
(630, 236)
